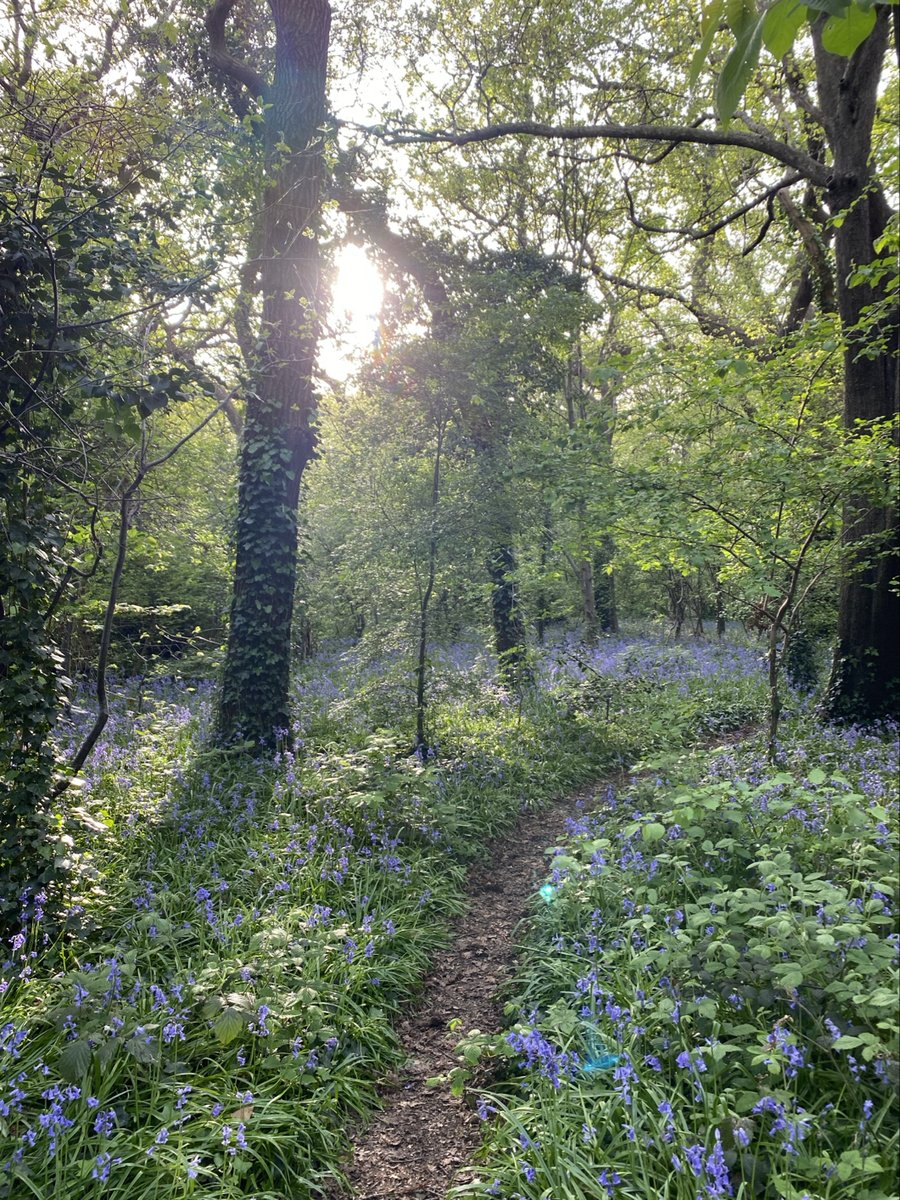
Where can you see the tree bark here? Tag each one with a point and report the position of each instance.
(865, 677)
(605, 587)
(425, 597)
(279, 439)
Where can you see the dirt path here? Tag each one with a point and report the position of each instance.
(424, 1139)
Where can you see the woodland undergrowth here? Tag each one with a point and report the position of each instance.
(241, 936)
(706, 1002)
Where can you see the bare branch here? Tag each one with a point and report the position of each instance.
(106, 636)
(710, 323)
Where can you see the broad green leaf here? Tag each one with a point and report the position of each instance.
(709, 23)
(845, 1042)
(835, 8)
(791, 976)
(845, 34)
(142, 1050)
(653, 832)
(780, 25)
(228, 1025)
(737, 70)
(74, 1061)
(740, 15)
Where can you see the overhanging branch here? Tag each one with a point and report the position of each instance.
(762, 143)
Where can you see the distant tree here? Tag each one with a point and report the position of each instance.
(832, 156)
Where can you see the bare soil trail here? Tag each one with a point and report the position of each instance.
(424, 1139)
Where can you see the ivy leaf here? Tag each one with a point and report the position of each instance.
(845, 34)
(737, 70)
(780, 25)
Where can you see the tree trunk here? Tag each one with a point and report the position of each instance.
(585, 572)
(425, 598)
(509, 628)
(278, 438)
(720, 608)
(865, 678)
(605, 588)
(543, 600)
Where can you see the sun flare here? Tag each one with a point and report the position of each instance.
(356, 298)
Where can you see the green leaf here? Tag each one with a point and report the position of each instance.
(780, 25)
(845, 34)
(790, 974)
(709, 23)
(740, 15)
(142, 1050)
(228, 1025)
(737, 70)
(74, 1061)
(846, 1042)
(836, 8)
(653, 832)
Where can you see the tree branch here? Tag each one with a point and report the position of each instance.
(222, 58)
(367, 215)
(761, 143)
(106, 636)
(813, 244)
(710, 323)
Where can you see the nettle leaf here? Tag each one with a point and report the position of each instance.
(74, 1061)
(781, 24)
(228, 1025)
(846, 33)
(738, 69)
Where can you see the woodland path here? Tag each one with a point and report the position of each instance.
(424, 1139)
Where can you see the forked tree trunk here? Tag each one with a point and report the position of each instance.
(278, 437)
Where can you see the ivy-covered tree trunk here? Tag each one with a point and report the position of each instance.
(278, 437)
(865, 679)
(29, 681)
